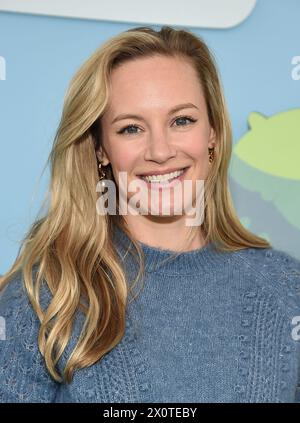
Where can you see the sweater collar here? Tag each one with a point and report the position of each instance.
(157, 259)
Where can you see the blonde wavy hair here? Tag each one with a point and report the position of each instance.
(72, 244)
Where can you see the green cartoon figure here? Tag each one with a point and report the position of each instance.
(267, 160)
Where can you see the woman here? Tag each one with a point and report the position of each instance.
(215, 316)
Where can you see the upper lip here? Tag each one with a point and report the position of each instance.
(162, 171)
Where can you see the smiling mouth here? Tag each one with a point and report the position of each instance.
(166, 178)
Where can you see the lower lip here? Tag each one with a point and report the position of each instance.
(158, 185)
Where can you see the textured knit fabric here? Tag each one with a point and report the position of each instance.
(206, 327)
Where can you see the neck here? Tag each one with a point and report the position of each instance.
(203, 259)
(167, 233)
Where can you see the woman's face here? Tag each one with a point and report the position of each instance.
(155, 139)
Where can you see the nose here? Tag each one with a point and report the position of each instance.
(159, 148)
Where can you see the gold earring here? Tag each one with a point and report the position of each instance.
(102, 173)
(211, 154)
(102, 176)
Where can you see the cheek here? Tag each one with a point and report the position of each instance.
(122, 159)
(197, 148)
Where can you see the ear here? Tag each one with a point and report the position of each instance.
(212, 138)
(102, 156)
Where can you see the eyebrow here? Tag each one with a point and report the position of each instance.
(173, 110)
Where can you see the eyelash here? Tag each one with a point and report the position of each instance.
(122, 131)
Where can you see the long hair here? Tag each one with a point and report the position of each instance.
(72, 244)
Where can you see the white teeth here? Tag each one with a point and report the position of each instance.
(163, 178)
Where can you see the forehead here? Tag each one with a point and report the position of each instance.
(157, 81)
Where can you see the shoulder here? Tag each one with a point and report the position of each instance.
(14, 298)
(272, 269)
(269, 262)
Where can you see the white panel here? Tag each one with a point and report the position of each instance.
(189, 13)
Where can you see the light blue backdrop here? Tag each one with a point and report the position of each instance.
(42, 53)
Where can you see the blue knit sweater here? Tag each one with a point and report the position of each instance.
(207, 327)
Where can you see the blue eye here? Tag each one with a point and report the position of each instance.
(122, 131)
(185, 118)
(182, 118)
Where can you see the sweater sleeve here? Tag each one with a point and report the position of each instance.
(23, 373)
(289, 271)
(295, 273)
(289, 268)
(279, 266)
